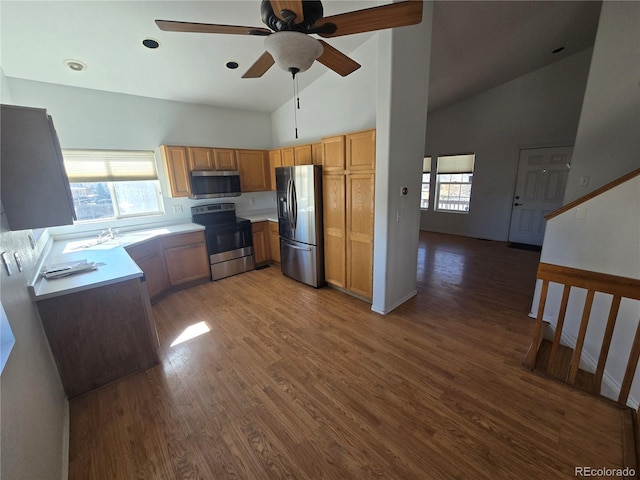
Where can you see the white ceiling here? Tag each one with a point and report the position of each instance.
(476, 45)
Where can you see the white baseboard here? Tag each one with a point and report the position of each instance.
(386, 310)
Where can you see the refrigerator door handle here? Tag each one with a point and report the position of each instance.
(289, 205)
(294, 199)
(295, 247)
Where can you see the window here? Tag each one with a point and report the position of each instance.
(113, 183)
(455, 174)
(426, 183)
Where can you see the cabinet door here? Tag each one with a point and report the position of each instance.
(288, 157)
(261, 244)
(334, 189)
(186, 258)
(275, 160)
(302, 154)
(361, 150)
(274, 240)
(333, 154)
(316, 153)
(201, 158)
(148, 255)
(177, 163)
(225, 159)
(253, 166)
(360, 215)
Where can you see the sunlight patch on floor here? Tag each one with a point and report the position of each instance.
(191, 331)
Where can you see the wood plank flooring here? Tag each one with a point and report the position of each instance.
(293, 382)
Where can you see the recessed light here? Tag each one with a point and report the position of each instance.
(150, 43)
(558, 50)
(232, 65)
(75, 65)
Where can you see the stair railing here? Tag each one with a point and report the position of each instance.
(593, 282)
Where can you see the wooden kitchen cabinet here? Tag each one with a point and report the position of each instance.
(359, 253)
(176, 160)
(288, 157)
(333, 154)
(201, 158)
(302, 154)
(334, 212)
(253, 166)
(316, 153)
(360, 149)
(274, 241)
(349, 199)
(100, 335)
(186, 259)
(261, 243)
(275, 160)
(149, 256)
(225, 159)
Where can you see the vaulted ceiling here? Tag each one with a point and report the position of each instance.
(476, 45)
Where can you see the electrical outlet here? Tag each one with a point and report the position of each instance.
(177, 209)
(584, 181)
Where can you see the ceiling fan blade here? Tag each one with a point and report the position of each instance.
(337, 61)
(294, 6)
(376, 18)
(171, 26)
(260, 66)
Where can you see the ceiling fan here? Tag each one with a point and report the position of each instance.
(291, 23)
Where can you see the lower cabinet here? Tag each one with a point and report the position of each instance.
(172, 262)
(186, 258)
(100, 335)
(150, 258)
(261, 243)
(274, 241)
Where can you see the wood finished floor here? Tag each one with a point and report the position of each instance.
(292, 382)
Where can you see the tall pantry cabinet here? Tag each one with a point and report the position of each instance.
(349, 196)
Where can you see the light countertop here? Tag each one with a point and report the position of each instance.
(114, 264)
(270, 215)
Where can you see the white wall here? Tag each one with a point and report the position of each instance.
(94, 119)
(539, 109)
(34, 418)
(608, 139)
(403, 85)
(606, 240)
(332, 105)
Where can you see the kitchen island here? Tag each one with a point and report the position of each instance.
(99, 322)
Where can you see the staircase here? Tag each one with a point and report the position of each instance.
(548, 356)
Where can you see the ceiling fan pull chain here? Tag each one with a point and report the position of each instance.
(295, 114)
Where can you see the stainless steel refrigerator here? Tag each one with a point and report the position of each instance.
(299, 193)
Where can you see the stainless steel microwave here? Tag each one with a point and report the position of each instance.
(214, 184)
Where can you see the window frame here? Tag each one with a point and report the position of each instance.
(426, 169)
(452, 170)
(147, 171)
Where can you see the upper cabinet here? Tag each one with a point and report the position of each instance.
(275, 161)
(35, 189)
(302, 154)
(225, 159)
(288, 157)
(360, 150)
(253, 166)
(177, 161)
(200, 158)
(316, 153)
(333, 156)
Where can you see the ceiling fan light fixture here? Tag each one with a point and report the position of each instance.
(293, 51)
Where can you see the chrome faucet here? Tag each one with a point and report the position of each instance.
(106, 233)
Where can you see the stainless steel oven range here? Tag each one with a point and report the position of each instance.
(229, 239)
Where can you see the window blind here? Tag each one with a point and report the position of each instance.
(426, 165)
(456, 163)
(109, 165)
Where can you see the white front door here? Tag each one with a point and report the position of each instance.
(540, 184)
